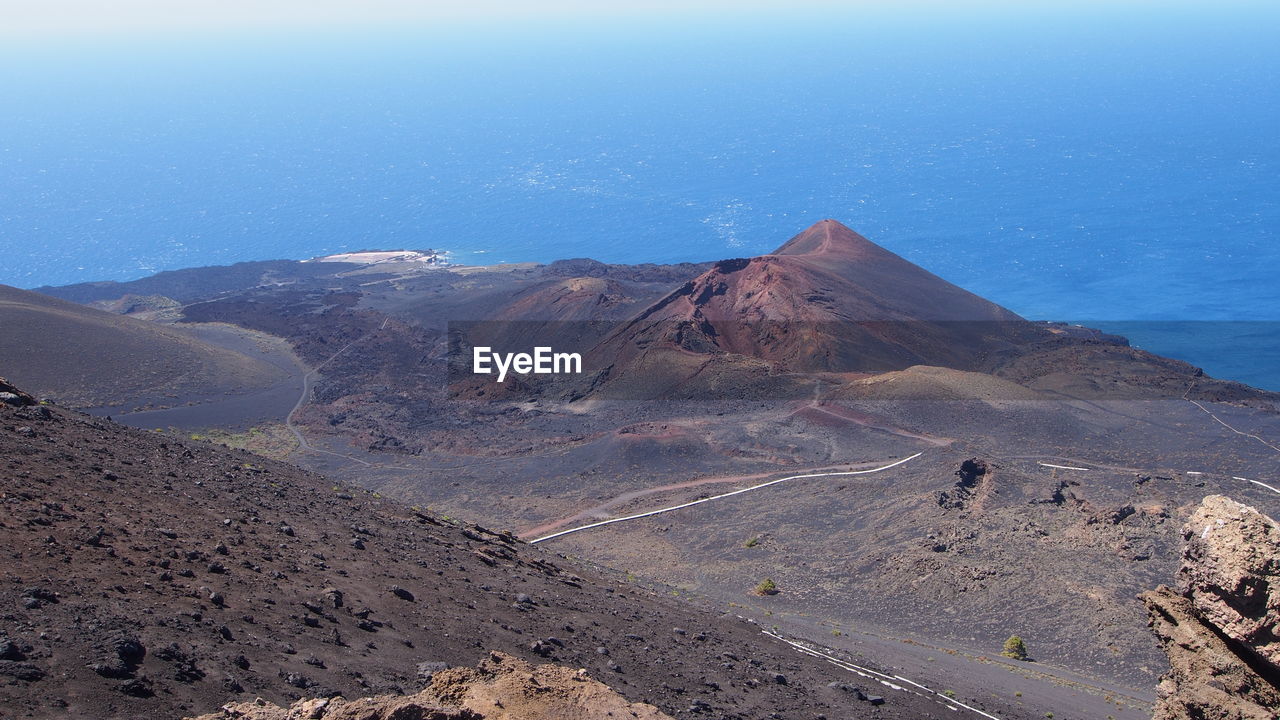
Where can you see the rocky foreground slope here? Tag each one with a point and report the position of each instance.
(147, 577)
(1220, 627)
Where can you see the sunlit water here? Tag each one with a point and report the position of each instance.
(1101, 166)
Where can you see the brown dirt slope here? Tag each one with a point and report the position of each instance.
(922, 382)
(148, 577)
(90, 358)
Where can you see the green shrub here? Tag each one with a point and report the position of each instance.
(752, 542)
(1015, 648)
(766, 587)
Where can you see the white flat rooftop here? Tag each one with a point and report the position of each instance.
(381, 256)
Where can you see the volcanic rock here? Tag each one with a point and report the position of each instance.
(1231, 573)
(501, 688)
(10, 395)
(1219, 632)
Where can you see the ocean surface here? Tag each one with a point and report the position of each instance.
(1119, 167)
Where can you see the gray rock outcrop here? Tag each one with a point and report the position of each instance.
(1219, 627)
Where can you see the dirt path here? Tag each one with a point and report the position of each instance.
(722, 496)
(307, 381)
(635, 494)
(1187, 396)
(869, 421)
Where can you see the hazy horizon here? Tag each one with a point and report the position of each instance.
(1083, 162)
(78, 17)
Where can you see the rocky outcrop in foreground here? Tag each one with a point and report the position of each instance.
(10, 395)
(1219, 628)
(501, 688)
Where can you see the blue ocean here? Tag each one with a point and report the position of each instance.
(1118, 166)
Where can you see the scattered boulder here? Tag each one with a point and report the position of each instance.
(971, 471)
(971, 474)
(36, 597)
(853, 690)
(121, 656)
(183, 665)
(13, 397)
(137, 687)
(20, 671)
(331, 597)
(427, 670)
(9, 650)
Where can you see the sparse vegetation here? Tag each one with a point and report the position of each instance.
(273, 441)
(949, 693)
(752, 542)
(766, 587)
(1014, 648)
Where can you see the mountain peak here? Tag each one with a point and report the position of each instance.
(830, 237)
(827, 300)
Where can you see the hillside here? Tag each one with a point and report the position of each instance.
(148, 577)
(89, 358)
(192, 283)
(828, 356)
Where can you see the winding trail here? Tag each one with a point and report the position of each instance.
(636, 494)
(889, 681)
(869, 421)
(1097, 467)
(307, 381)
(740, 491)
(1186, 396)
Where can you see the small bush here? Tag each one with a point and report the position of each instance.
(752, 542)
(1015, 648)
(766, 587)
